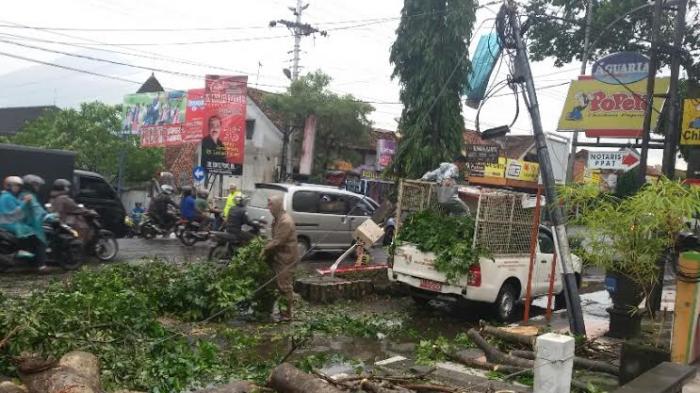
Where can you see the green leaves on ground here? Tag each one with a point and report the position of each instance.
(113, 313)
(439, 349)
(449, 237)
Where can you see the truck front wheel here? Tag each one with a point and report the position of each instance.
(504, 307)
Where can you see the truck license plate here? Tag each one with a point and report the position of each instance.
(431, 285)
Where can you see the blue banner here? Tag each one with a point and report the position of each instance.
(487, 53)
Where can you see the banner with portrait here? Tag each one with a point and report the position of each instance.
(223, 144)
(156, 117)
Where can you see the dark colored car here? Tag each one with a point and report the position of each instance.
(89, 188)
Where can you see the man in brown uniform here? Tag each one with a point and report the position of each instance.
(282, 253)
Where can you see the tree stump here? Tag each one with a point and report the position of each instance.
(327, 290)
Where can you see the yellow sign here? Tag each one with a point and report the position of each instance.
(496, 170)
(591, 176)
(522, 170)
(594, 105)
(690, 130)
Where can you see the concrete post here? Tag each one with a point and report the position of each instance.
(554, 363)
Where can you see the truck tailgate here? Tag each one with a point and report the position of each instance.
(409, 260)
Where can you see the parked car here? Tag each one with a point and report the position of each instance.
(325, 217)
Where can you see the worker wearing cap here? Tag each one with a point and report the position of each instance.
(231, 199)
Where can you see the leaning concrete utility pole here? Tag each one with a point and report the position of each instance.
(524, 74)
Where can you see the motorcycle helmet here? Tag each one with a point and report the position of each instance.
(61, 185)
(239, 200)
(204, 194)
(186, 191)
(33, 182)
(12, 181)
(167, 189)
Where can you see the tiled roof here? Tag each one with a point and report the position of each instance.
(151, 85)
(13, 119)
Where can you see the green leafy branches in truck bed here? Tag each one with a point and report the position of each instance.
(450, 238)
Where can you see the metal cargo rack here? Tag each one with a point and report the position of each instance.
(503, 219)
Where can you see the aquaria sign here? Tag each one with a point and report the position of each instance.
(621, 68)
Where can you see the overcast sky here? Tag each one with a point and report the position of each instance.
(355, 53)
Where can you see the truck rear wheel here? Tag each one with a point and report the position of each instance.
(504, 307)
(420, 301)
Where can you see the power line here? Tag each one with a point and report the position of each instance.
(69, 68)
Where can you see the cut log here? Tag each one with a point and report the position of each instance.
(494, 355)
(474, 363)
(76, 372)
(509, 336)
(84, 363)
(9, 387)
(286, 378)
(232, 387)
(579, 363)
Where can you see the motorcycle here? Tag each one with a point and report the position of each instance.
(227, 243)
(191, 232)
(103, 244)
(64, 247)
(150, 228)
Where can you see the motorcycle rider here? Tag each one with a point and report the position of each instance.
(237, 217)
(32, 185)
(187, 209)
(159, 207)
(233, 193)
(17, 216)
(70, 212)
(202, 209)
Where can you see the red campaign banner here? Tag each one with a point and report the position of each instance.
(193, 128)
(223, 143)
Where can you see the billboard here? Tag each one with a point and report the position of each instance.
(482, 153)
(690, 129)
(155, 116)
(223, 145)
(604, 109)
(386, 148)
(307, 155)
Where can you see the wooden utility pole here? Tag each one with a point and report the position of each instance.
(673, 121)
(584, 65)
(651, 79)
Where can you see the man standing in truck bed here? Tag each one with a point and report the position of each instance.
(447, 176)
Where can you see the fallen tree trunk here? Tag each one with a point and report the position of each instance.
(509, 336)
(470, 362)
(580, 363)
(496, 356)
(286, 378)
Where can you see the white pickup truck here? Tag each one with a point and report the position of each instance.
(500, 280)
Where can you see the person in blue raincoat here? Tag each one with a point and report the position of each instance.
(32, 185)
(15, 214)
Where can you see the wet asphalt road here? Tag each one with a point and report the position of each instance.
(20, 280)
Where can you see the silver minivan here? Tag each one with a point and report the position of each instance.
(325, 216)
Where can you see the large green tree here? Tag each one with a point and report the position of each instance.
(342, 121)
(93, 133)
(431, 62)
(557, 28)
